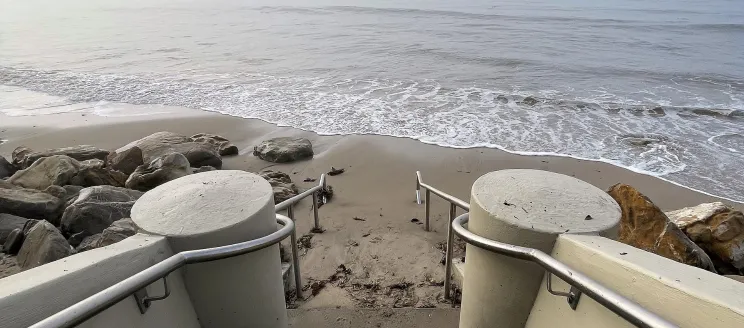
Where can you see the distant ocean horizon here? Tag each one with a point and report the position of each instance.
(656, 87)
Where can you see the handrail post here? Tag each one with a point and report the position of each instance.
(448, 254)
(316, 225)
(418, 187)
(295, 255)
(428, 208)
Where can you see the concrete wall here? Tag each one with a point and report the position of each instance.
(684, 295)
(33, 295)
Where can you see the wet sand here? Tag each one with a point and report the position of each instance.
(382, 247)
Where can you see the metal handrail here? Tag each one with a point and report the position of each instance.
(625, 308)
(429, 189)
(285, 205)
(454, 204)
(289, 206)
(89, 307)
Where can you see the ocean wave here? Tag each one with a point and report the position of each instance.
(663, 140)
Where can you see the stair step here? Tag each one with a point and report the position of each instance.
(373, 318)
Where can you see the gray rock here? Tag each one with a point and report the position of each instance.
(162, 143)
(8, 223)
(47, 171)
(223, 146)
(18, 155)
(529, 101)
(60, 170)
(43, 244)
(6, 169)
(159, 171)
(13, 242)
(23, 157)
(30, 203)
(126, 161)
(202, 169)
(284, 150)
(281, 185)
(88, 243)
(117, 232)
(90, 176)
(95, 209)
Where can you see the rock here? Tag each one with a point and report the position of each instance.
(159, 171)
(202, 169)
(6, 169)
(18, 155)
(690, 215)
(529, 101)
(43, 244)
(90, 176)
(30, 203)
(125, 161)
(13, 242)
(8, 223)
(162, 143)
(117, 232)
(281, 184)
(60, 170)
(90, 242)
(95, 209)
(53, 170)
(23, 157)
(223, 146)
(718, 230)
(645, 226)
(284, 150)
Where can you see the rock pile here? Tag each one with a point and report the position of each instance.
(709, 236)
(57, 202)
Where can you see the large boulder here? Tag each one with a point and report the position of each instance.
(88, 243)
(281, 184)
(9, 222)
(23, 157)
(43, 244)
(52, 170)
(645, 226)
(6, 169)
(223, 146)
(95, 209)
(117, 232)
(162, 143)
(29, 203)
(61, 170)
(126, 161)
(719, 230)
(284, 150)
(159, 171)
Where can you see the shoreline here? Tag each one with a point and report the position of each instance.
(32, 130)
(15, 129)
(369, 226)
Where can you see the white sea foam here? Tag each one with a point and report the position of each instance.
(687, 145)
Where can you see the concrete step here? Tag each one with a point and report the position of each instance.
(373, 318)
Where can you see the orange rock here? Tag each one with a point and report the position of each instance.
(645, 226)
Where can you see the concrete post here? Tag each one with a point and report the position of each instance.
(215, 209)
(527, 208)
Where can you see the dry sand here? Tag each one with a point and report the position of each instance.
(391, 261)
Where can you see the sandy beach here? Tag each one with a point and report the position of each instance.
(382, 247)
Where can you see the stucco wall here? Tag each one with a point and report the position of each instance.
(684, 295)
(30, 296)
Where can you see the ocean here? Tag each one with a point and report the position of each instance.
(653, 86)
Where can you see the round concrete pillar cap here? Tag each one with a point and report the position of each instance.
(202, 203)
(545, 202)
